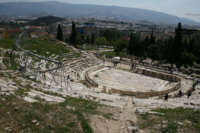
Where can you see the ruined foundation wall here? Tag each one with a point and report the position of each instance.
(146, 94)
(160, 75)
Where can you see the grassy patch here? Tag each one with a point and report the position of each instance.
(70, 116)
(108, 115)
(20, 116)
(109, 54)
(81, 105)
(44, 47)
(10, 63)
(7, 43)
(173, 121)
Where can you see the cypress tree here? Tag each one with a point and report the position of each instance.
(73, 37)
(152, 39)
(130, 45)
(93, 39)
(178, 44)
(87, 39)
(59, 33)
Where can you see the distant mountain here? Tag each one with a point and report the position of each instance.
(76, 10)
(46, 20)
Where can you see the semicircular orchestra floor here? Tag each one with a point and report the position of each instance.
(124, 80)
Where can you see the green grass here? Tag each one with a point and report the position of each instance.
(60, 117)
(187, 120)
(82, 108)
(44, 47)
(109, 54)
(82, 105)
(19, 116)
(71, 116)
(7, 43)
(10, 63)
(181, 114)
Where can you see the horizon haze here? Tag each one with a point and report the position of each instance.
(181, 8)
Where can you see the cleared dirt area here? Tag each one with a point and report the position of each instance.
(124, 80)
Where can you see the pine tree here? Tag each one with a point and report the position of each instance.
(152, 38)
(73, 37)
(178, 44)
(59, 33)
(130, 45)
(93, 39)
(87, 39)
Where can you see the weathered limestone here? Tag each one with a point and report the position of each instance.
(113, 82)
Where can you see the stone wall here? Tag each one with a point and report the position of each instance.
(160, 75)
(151, 73)
(123, 66)
(146, 94)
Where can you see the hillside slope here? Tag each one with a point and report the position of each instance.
(66, 9)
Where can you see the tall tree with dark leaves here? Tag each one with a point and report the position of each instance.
(73, 37)
(152, 38)
(59, 33)
(177, 48)
(93, 38)
(130, 45)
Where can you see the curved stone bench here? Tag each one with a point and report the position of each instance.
(160, 75)
(87, 77)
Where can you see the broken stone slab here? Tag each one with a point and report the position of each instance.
(114, 118)
(34, 121)
(70, 108)
(133, 129)
(8, 129)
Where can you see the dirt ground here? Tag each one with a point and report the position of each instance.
(121, 120)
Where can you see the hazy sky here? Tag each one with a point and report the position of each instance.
(182, 8)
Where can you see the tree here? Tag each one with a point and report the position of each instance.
(152, 39)
(110, 34)
(188, 58)
(120, 47)
(59, 33)
(134, 46)
(101, 41)
(93, 38)
(178, 45)
(130, 45)
(73, 36)
(87, 40)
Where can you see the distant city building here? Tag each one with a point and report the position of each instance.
(10, 33)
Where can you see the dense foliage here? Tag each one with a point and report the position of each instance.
(73, 36)
(179, 50)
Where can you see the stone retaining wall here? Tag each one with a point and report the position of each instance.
(146, 94)
(151, 73)
(160, 75)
